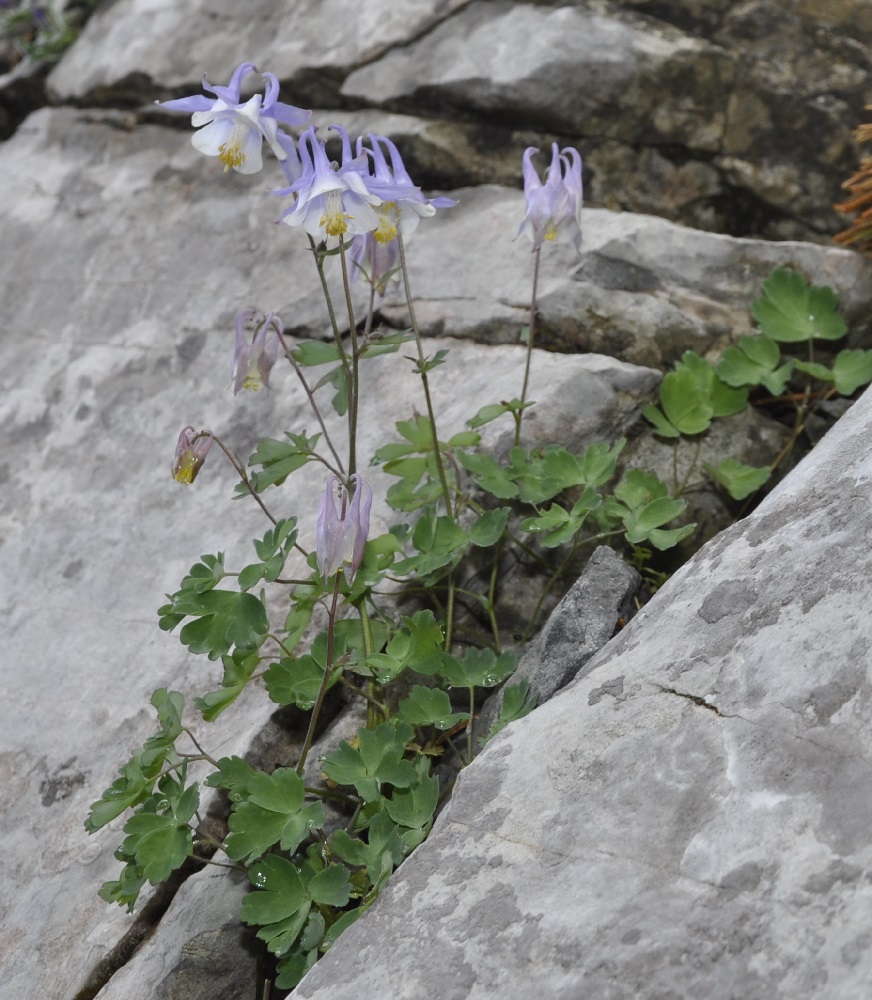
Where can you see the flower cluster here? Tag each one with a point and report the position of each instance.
(553, 208)
(366, 200)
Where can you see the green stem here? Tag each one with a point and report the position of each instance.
(340, 468)
(354, 387)
(491, 594)
(690, 469)
(328, 669)
(243, 476)
(440, 467)
(469, 727)
(530, 335)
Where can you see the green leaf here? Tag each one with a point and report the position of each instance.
(640, 523)
(478, 668)
(338, 378)
(851, 370)
(815, 369)
(754, 362)
(316, 352)
(489, 474)
(377, 760)
(124, 890)
(517, 702)
(139, 774)
(238, 670)
(160, 843)
(638, 488)
(273, 813)
(383, 851)
(428, 364)
(233, 774)
(790, 311)
(281, 894)
(686, 405)
(279, 459)
(662, 539)
(661, 425)
(488, 529)
(494, 410)
(297, 681)
(292, 969)
(330, 887)
(222, 618)
(413, 809)
(429, 707)
(441, 543)
(739, 480)
(273, 550)
(417, 645)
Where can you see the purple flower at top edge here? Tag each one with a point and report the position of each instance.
(340, 535)
(234, 131)
(553, 208)
(191, 451)
(253, 361)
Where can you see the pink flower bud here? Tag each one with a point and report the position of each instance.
(191, 452)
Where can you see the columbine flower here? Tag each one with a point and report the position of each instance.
(331, 200)
(252, 362)
(341, 536)
(233, 131)
(402, 203)
(375, 260)
(553, 208)
(191, 452)
(375, 254)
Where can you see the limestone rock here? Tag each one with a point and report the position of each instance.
(580, 625)
(692, 815)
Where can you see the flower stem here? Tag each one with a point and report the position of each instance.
(243, 476)
(340, 468)
(443, 479)
(328, 669)
(354, 386)
(534, 301)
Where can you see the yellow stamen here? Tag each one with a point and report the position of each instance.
(230, 152)
(386, 229)
(334, 220)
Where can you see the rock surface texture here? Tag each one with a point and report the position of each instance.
(693, 814)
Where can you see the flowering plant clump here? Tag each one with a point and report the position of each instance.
(319, 839)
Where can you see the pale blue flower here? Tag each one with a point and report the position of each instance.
(340, 535)
(253, 360)
(234, 131)
(403, 205)
(553, 208)
(332, 200)
(374, 260)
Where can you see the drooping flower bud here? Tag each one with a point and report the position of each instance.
(191, 452)
(553, 208)
(252, 362)
(340, 535)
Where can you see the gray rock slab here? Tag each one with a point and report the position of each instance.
(692, 816)
(132, 255)
(644, 289)
(583, 65)
(581, 624)
(129, 43)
